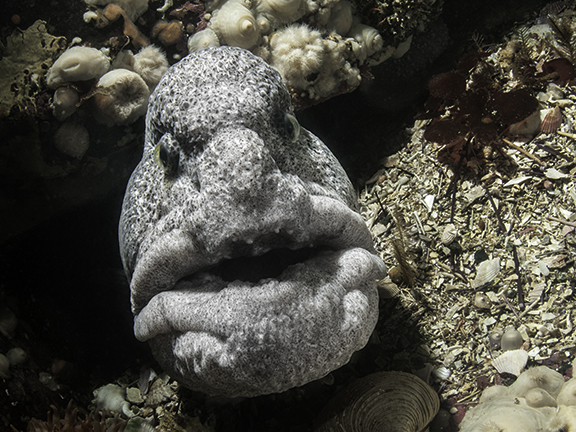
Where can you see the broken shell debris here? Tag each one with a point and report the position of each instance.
(492, 255)
(512, 362)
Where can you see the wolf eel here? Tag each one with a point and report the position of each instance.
(250, 269)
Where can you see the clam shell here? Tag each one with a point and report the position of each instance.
(391, 401)
(551, 119)
(512, 362)
(449, 234)
(486, 273)
(442, 373)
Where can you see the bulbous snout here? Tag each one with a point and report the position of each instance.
(245, 197)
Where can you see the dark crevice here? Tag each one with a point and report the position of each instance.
(256, 268)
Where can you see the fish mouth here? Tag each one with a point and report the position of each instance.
(176, 274)
(177, 255)
(248, 323)
(270, 265)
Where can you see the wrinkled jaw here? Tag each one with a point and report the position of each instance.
(251, 325)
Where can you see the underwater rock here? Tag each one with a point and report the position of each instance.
(25, 57)
(133, 8)
(250, 270)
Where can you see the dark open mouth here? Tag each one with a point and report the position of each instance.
(269, 265)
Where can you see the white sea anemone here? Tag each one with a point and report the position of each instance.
(72, 139)
(368, 39)
(284, 11)
(202, 39)
(121, 97)
(236, 25)
(341, 17)
(150, 63)
(64, 102)
(78, 63)
(297, 52)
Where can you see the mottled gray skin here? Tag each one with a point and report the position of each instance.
(238, 181)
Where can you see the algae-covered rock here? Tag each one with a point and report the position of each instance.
(25, 58)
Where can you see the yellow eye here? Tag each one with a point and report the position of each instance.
(166, 155)
(161, 156)
(292, 126)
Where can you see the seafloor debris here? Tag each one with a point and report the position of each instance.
(514, 205)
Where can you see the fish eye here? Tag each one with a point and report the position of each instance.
(292, 126)
(166, 155)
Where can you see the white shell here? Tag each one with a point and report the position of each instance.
(442, 373)
(554, 174)
(486, 273)
(429, 202)
(394, 401)
(449, 234)
(551, 119)
(512, 362)
(474, 193)
(236, 24)
(202, 39)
